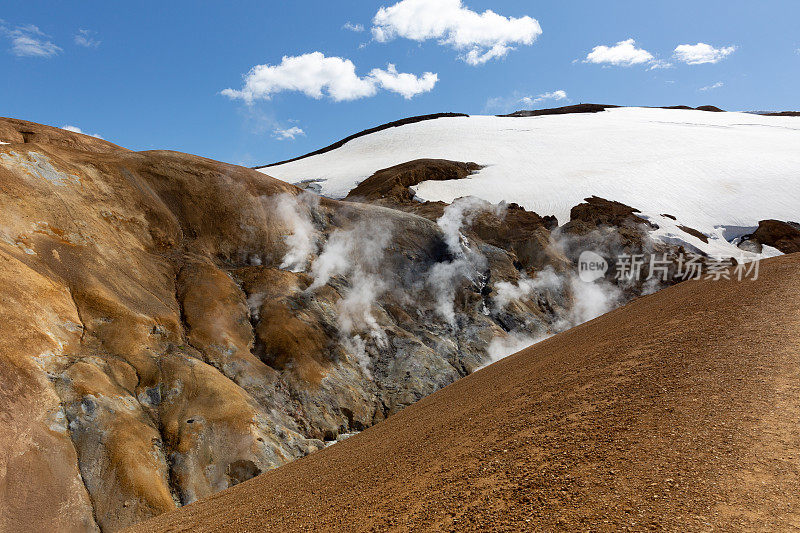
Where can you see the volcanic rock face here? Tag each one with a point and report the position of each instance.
(393, 184)
(176, 325)
(677, 412)
(785, 236)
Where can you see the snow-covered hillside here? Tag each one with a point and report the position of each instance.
(719, 173)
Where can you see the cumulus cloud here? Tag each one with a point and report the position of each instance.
(555, 95)
(316, 75)
(517, 99)
(480, 37)
(358, 28)
(85, 38)
(76, 129)
(657, 64)
(30, 41)
(622, 54)
(712, 87)
(697, 54)
(407, 85)
(287, 133)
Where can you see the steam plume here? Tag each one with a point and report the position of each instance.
(302, 243)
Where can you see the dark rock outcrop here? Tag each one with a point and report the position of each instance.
(599, 211)
(391, 185)
(782, 114)
(565, 110)
(785, 236)
(695, 233)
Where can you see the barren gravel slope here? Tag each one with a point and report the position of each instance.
(679, 411)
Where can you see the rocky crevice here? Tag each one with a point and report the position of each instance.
(80, 469)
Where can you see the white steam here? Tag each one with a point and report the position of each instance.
(358, 348)
(302, 243)
(444, 279)
(355, 309)
(464, 211)
(584, 300)
(591, 299)
(502, 347)
(360, 248)
(508, 292)
(357, 255)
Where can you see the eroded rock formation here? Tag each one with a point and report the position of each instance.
(174, 325)
(785, 236)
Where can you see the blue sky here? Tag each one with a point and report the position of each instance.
(151, 75)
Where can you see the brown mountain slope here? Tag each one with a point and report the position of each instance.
(679, 411)
(13, 130)
(163, 335)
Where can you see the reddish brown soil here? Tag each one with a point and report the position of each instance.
(676, 412)
(713, 109)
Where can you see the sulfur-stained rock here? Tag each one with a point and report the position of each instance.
(159, 345)
(40, 483)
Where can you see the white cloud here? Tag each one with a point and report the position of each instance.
(288, 133)
(84, 38)
(30, 41)
(316, 75)
(712, 87)
(358, 28)
(555, 95)
(497, 103)
(479, 36)
(697, 54)
(517, 100)
(313, 74)
(656, 64)
(403, 83)
(624, 54)
(76, 129)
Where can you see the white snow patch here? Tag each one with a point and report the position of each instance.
(709, 170)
